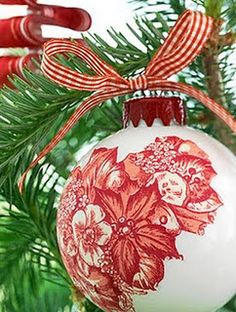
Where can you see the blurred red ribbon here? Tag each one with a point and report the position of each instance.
(184, 42)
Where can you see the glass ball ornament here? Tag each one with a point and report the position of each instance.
(147, 220)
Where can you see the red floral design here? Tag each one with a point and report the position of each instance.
(182, 174)
(91, 233)
(118, 221)
(135, 235)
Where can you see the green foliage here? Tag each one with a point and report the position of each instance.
(214, 7)
(127, 58)
(90, 307)
(230, 14)
(29, 254)
(32, 275)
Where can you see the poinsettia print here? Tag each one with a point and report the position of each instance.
(135, 235)
(118, 220)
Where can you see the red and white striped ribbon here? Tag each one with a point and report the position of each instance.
(184, 42)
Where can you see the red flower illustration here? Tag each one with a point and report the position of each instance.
(182, 174)
(118, 221)
(104, 172)
(91, 233)
(138, 243)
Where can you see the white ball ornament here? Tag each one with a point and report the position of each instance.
(147, 221)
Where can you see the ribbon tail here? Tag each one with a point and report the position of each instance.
(91, 102)
(216, 108)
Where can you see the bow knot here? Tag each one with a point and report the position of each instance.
(138, 83)
(184, 42)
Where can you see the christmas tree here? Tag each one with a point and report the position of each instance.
(32, 274)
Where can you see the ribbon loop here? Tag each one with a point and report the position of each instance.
(71, 78)
(183, 44)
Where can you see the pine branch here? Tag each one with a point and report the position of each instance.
(28, 243)
(127, 58)
(229, 15)
(28, 117)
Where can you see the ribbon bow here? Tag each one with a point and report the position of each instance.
(184, 42)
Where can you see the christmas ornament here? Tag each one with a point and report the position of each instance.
(146, 222)
(14, 65)
(143, 218)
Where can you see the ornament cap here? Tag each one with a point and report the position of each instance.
(168, 109)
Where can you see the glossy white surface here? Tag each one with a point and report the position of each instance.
(206, 279)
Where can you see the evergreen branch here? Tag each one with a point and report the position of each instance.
(31, 115)
(28, 241)
(34, 217)
(28, 118)
(126, 57)
(229, 15)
